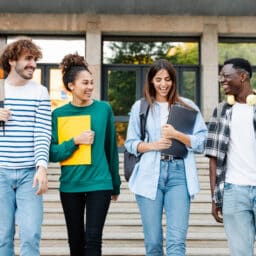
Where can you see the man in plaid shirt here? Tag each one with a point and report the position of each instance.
(231, 147)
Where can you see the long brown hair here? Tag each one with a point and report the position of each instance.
(149, 89)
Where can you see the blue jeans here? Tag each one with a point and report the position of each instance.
(239, 215)
(19, 204)
(172, 196)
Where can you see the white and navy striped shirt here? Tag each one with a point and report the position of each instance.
(28, 130)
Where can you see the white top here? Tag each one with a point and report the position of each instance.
(241, 160)
(145, 176)
(164, 112)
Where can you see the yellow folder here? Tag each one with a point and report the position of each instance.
(69, 127)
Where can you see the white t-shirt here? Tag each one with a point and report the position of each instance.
(164, 112)
(241, 158)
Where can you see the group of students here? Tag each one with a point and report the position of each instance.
(161, 182)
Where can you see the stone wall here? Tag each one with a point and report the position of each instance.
(93, 27)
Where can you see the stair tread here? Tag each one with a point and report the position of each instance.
(138, 251)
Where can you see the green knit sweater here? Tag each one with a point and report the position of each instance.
(103, 172)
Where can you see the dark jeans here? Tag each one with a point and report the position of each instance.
(85, 239)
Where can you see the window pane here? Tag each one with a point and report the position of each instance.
(221, 93)
(58, 93)
(241, 50)
(121, 90)
(121, 128)
(37, 75)
(230, 49)
(189, 85)
(147, 52)
(253, 80)
(54, 48)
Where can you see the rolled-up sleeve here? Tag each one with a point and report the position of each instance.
(133, 131)
(198, 138)
(212, 142)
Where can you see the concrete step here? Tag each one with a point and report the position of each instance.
(133, 251)
(203, 197)
(134, 222)
(130, 209)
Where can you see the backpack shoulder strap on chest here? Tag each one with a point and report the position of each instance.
(144, 108)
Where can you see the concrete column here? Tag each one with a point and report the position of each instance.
(3, 41)
(93, 54)
(209, 75)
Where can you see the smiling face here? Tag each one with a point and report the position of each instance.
(24, 67)
(162, 83)
(82, 88)
(232, 80)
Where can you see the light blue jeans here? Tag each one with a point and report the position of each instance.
(19, 204)
(239, 215)
(172, 196)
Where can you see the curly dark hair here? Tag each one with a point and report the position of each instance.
(14, 50)
(70, 66)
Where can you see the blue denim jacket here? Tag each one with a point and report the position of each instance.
(144, 179)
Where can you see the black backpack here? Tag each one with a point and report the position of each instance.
(129, 159)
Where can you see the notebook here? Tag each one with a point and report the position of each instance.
(69, 127)
(183, 120)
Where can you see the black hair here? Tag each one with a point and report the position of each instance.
(240, 63)
(70, 66)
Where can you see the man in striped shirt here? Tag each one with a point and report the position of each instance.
(24, 148)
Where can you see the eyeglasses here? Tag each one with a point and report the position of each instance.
(223, 77)
(228, 76)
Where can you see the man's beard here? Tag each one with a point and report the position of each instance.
(22, 73)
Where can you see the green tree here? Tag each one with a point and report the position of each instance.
(241, 50)
(122, 84)
(147, 52)
(238, 49)
(121, 91)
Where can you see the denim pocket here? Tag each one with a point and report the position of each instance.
(228, 186)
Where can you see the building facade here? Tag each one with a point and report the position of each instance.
(206, 20)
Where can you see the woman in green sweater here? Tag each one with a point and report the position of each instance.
(87, 183)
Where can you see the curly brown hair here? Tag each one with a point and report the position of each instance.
(70, 66)
(14, 50)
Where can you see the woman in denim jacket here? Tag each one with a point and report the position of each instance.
(162, 181)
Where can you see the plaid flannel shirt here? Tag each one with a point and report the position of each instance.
(217, 144)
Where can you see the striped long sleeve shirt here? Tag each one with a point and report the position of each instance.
(28, 131)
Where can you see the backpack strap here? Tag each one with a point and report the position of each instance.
(144, 108)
